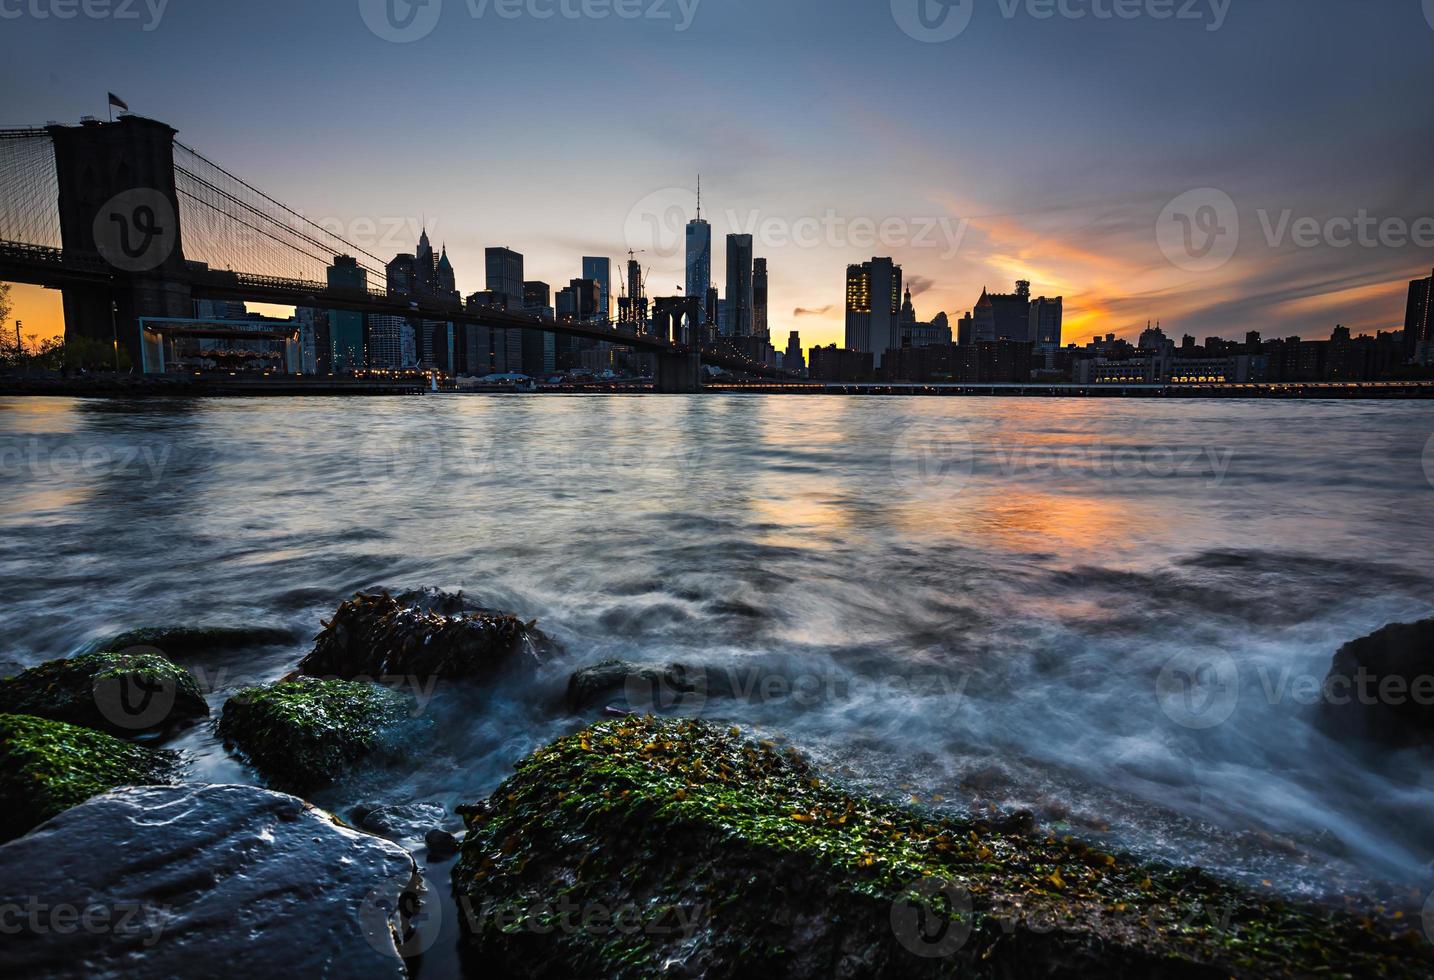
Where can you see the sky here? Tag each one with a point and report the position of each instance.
(1203, 163)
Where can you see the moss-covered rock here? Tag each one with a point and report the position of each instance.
(426, 634)
(645, 848)
(124, 694)
(305, 733)
(187, 641)
(48, 766)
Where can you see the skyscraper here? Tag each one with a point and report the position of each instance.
(600, 271)
(1045, 319)
(504, 268)
(699, 258)
(346, 329)
(873, 307)
(759, 297)
(739, 285)
(1419, 321)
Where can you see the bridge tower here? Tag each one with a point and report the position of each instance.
(118, 206)
(675, 318)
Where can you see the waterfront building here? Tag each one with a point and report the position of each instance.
(599, 270)
(699, 262)
(759, 298)
(873, 307)
(347, 329)
(1419, 322)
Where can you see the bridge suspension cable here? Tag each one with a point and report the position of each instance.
(230, 224)
(29, 189)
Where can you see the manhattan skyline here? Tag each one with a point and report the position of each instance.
(976, 165)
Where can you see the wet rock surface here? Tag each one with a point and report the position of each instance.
(306, 733)
(48, 766)
(1381, 686)
(189, 641)
(124, 694)
(401, 821)
(423, 634)
(684, 849)
(632, 686)
(201, 881)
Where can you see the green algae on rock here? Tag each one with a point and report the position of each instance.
(48, 766)
(305, 733)
(419, 634)
(120, 693)
(643, 847)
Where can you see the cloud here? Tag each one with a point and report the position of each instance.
(803, 311)
(919, 284)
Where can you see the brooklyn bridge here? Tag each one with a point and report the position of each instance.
(130, 223)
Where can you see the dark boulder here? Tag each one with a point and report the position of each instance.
(121, 693)
(400, 821)
(424, 634)
(646, 847)
(47, 766)
(645, 688)
(1381, 686)
(202, 881)
(189, 641)
(306, 733)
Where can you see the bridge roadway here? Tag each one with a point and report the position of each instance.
(54, 268)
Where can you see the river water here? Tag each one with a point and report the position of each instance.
(973, 602)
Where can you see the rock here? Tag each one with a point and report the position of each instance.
(188, 641)
(202, 881)
(649, 847)
(441, 845)
(304, 734)
(644, 687)
(405, 821)
(124, 694)
(47, 767)
(1381, 686)
(424, 634)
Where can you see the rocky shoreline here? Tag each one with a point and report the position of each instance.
(639, 846)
